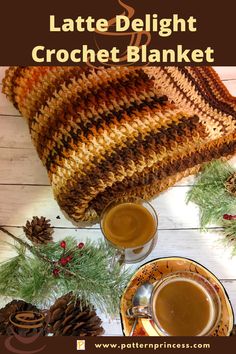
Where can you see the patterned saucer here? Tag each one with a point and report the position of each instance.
(155, 270)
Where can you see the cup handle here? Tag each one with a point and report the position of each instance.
(139, 311)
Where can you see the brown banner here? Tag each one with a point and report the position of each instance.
(196, 32)
(72, 345)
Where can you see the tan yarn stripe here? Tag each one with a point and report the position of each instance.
(136, 167)
(212, 77)
(116, 103)
(68, 93)
(95, 190)
(161, 185)
(209, 146)
(217, 87)
(62, 132)
(196, 73)
(25, 84)
(149, 191)
(10, 84)
(146, 192)
(212, 120)
(190, 100)
(8, 87)
(222, 123)
(40, 88)
(156, 187)
(227, 121)
(121, 153)
(98, 147)
(203, 77)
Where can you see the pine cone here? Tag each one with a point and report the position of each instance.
(71, 317)
(230, 184)
(38, 230)
(14, 307)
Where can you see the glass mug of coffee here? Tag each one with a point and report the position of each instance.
(182, 304)
(130, 226)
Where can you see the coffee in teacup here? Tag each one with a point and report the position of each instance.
(182, 304)
(183, 307)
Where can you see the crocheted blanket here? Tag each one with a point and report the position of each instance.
(112, 132)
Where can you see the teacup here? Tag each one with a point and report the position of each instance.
(182, 304)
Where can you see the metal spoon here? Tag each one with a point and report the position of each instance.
(141, 298)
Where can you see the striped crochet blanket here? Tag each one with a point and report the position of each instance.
(111, 132)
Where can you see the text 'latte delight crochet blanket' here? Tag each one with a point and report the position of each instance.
(104, 133)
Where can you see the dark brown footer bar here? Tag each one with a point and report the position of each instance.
(72, 345)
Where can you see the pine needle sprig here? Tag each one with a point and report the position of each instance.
(229, 231)
(210, 194)
(88, 273)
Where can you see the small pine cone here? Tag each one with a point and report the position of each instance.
(38, 230)
(70, 317)
(8, 313)
(230, 184)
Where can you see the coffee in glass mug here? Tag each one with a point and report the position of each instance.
(130, 226)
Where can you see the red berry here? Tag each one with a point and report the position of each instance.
(226, 216)
(69, 258)
(229, 217)
(63, 261)
(56, 272)
(80, 245)
(63, 244)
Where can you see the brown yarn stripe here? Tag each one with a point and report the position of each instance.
(43, 93)
(14, 73)
(99, 124)
(134, 142)
(208, 101)
(217, 86)
(168, 170)
(111, 132)
(165, 138)
(126, 132)
(57, 105)
(61, 121)
(208, 94)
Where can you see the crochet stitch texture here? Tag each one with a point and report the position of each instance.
(106, 133)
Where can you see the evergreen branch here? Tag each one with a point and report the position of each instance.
(216, 204)
(210, 194)
(33, 250)
(229, 232)
(17, 239)
(88, 273)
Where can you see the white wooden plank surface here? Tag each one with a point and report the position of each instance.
(6, 108)
(14, 133)
(22, 201)
(2, 72)
(18, 166)
(226, 72)
(24, 192)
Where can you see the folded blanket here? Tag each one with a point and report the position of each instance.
(121, 131)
